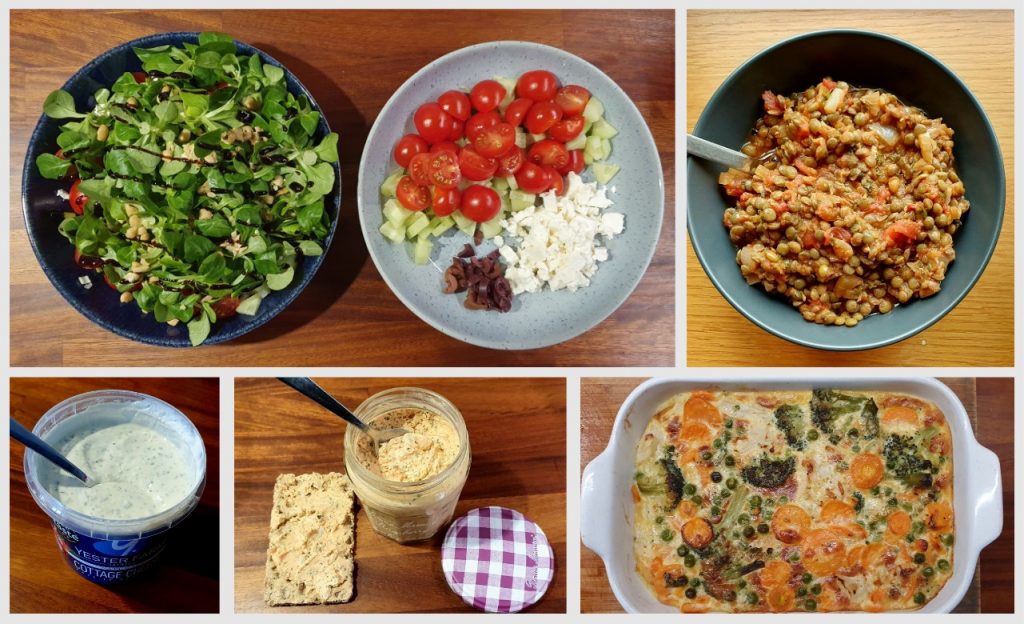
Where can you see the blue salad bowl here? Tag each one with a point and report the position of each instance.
(44, 210)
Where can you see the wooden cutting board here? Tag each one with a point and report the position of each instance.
(517, 438)
(187, 577)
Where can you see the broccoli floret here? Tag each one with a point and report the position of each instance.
(903, 459)
(768, 473)
(859, 505)
(790, 420)
(829, 405)
(674, 480)
(869, 420)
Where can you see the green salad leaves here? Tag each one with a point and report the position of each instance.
(203, 180)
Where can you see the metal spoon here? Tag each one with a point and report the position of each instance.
(308, 387)
(34, 442)
(702, 148)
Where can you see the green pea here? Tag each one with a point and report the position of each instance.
(856, 448)
(834, 438)
(919, 598)
(811, 604)
(741, 584)
(928, 571)
(706, 455)
(730, 460)
(815, 589)
(783, 499)
(695, 583)
(752, 598)
(801, 591)
(853, 433)
(755, 501)
(689, 489)
(812, 435)
(892, 502)
(806, 578)
(943, 564)
(682, 551)
(666, 535)
(947, 539)
(697, 500)
(762, 528)
(659, 519)
(743, 519)
(748, 532)
(919, 558)
(717, 443)
(716, 510)
(726, 494)
(689, 561)
(728, 423)
(731, 483)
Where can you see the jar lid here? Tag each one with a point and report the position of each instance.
(497, 560)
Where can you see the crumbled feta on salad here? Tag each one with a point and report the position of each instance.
(561, 241)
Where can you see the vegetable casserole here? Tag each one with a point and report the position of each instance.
(851, 204)
(794, 501)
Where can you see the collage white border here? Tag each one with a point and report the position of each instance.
(572, 375)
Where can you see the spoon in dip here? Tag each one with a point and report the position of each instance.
(702, 148)
(34, 442)
(308, 387)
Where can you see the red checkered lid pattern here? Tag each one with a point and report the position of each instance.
(497, 560)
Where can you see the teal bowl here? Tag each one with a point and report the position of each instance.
(861, 59)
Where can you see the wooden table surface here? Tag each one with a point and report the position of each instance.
(517, 438)
(989, 402)
(185, 580)
(978, 46)
(352, 61)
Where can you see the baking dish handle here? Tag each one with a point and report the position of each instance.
(986, 481)
(596, 504)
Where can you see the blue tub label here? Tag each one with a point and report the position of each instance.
(108, 561)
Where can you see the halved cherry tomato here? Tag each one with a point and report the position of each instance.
(556, 180)
(444, 169)
(480, 203)
(549, 153)
(539, 85)
(87, 262)
(412, 196)
(77, 199)
(517, 110)
(226, 307)
(113, 286)
(432, 123)
(445, 201)
(533, 178)
(486, 95)
(567, 129)
(542, 116)
(476, 167)
(456, 104)
(139, 76)
(494, 141)
(572, 99)
(575, 165)
(480, 122)
(445, 146)
(419, 169)
(458, 130)
(407, 147)
(510, 162)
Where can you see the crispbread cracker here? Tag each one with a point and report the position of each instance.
(312, 541)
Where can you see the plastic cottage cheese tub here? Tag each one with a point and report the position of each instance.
(127, 524)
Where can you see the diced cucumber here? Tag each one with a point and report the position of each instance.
(444, 224)
(416, 224)
(395, 213)
(594, 110)
(512, 184)
(465, 225)
(500, 185)
(250, 305)
(388, 188)
(606, 149)
(519, 200)
(593, 149)
(604, 129)
(510, 91)
(587, 158)
(520, 138)
(587, 125)
(536, 138)
(604, 172)
(493, 227)
(578, 143)
(392, 232)
(421, 251)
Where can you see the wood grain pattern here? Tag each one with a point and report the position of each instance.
(981, 53)
(348, 315)
(517, 438)
(185, 581)
(990, 405)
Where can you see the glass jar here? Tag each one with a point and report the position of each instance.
(412, 511)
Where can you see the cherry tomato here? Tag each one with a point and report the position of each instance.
(445, 201)
(517, 110)
(407, 147)
(476, 167)
(575, 164)
(542, 116)
(446, 146)
(539, 85)
(494, 141)
(556, 180)
(480, 203)
(226, 307)
(412, 196)
(456, 104)
(107, 281)
(486, 95)
(572, 99)
(480, 122)
(72, 170)
(549, 153)
(510, 162)
(458, 130)
(433, 124)
(567, 129)
(87, 262)
(139, 76)
(77, 199)
(444, 169)
(419, 169)
(533, 178)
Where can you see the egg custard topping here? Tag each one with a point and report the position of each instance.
(823, 500)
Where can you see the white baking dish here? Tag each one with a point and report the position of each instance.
(606, 525)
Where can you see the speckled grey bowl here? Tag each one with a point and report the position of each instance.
(540, 319)
(862, 59)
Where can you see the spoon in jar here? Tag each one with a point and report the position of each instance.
(50, 454)
(702, 148)
(308, 387)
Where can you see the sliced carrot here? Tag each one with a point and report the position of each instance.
(694, 433)
(698, 533)
(789, 523)
(636, 493)
(899, 523)
(867, 470)
(900, 414)
(687, 509)
(823, 552)
(776, 572)
(781, 598)
(939, 515)
(835, 510)
(700, 409)
(850, 530)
